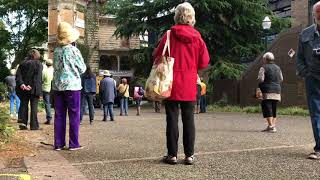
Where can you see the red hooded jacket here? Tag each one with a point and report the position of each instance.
(190, 54)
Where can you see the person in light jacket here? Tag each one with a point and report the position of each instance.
(270, 78)
(68, 67)
(190, 54)
(47, 76)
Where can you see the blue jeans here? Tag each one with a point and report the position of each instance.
(13, 96)
(203, 104)
(108, 109)
(313, 98)
(87, 98)
(47, 105)
(124, 106)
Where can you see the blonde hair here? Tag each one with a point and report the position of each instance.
(185, 14)
(269, 57)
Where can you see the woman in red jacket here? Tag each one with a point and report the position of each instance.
(190, 54)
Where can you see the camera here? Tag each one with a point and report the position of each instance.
(316, 51)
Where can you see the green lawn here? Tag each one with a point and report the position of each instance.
(293, 111)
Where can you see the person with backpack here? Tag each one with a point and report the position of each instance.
(138, 95)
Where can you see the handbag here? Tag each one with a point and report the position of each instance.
(258, 94)
(159, 83)
(121, 94)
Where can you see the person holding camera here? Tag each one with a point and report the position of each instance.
(269, 78)
(308, 67)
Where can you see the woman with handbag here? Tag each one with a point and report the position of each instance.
(269, 78)
(190, 54)
(124, 96)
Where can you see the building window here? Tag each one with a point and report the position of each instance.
(124, 63)
(108, 62)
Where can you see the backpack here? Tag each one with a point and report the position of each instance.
(141, 91)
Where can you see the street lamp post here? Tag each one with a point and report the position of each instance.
(266, 25)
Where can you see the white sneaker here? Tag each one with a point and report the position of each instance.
(75, 149)
(273, 130)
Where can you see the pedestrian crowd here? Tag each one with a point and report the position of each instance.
(73, 85)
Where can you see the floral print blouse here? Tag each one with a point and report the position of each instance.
(68, 66)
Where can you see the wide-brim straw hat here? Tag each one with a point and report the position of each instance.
(106, 73)
(67, 34)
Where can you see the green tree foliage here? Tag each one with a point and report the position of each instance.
(27, 24)
(231, 28)
(226, 70)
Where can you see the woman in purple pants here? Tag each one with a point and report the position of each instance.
(68, 66)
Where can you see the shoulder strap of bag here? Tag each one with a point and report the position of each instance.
(126, 88)
(167, 44)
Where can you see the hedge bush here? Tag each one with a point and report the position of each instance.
(6, 131)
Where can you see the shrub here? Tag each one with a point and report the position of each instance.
(6, 131)
(3, 91)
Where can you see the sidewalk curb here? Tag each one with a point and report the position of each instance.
(49, 164)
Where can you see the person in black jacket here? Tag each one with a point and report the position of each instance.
(270, 78)
(29, 88)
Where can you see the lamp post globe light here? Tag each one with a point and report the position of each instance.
(266, 25)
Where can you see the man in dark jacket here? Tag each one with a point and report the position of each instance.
(108, 92)
(28, 80)
(308, 67)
